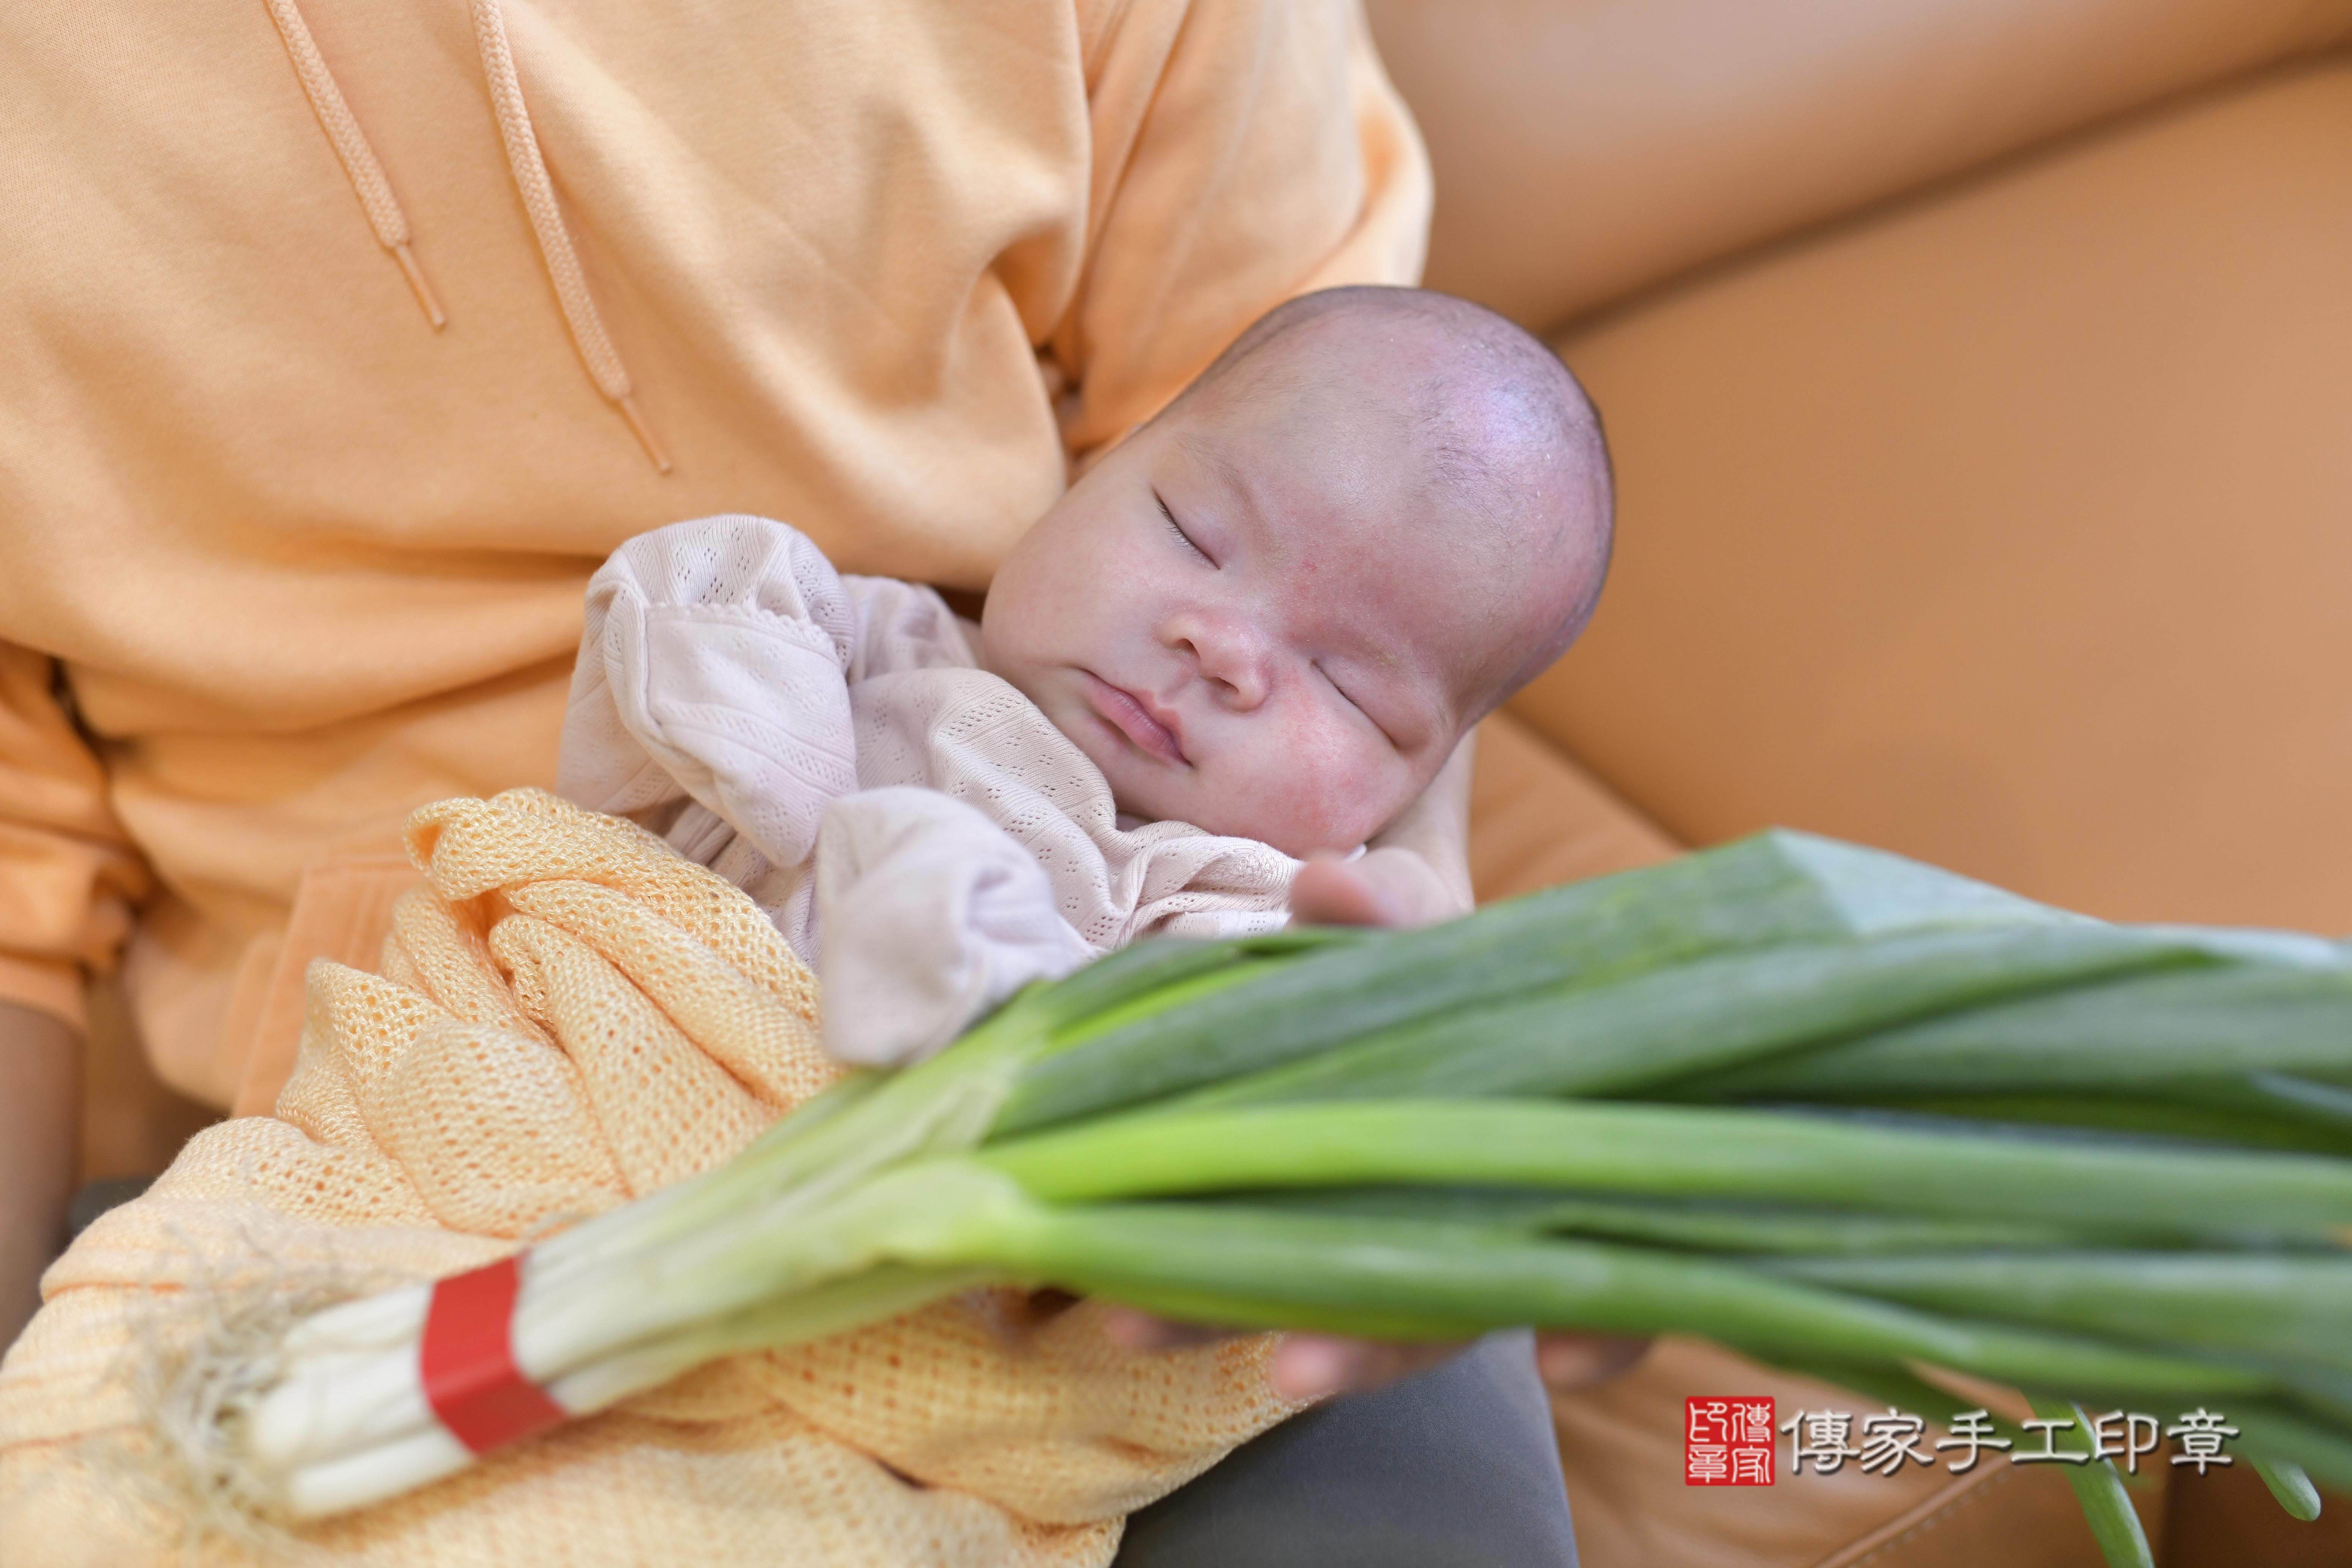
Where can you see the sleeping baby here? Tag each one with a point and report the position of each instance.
(1250, 636)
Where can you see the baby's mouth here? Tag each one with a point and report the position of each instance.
(1132, 717)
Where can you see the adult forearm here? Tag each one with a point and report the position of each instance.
(40, 1123)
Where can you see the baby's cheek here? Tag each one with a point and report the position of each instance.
(1326, 793)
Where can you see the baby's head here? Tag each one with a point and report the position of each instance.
(1273, 611)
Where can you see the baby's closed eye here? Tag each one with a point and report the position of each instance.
(1348, 696)
(1190, 544)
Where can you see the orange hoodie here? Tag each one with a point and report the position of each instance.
(339, 342)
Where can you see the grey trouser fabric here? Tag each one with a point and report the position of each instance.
(1454, 1467)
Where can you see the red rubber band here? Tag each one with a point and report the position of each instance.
(468, 1362)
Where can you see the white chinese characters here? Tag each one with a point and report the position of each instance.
(1823, 1439)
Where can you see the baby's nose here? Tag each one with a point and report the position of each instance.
(1231, 656)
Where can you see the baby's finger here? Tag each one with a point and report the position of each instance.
(1567, 1362)
(1310, 1366)
(1134, 1330)
(1304, 1366)
(1334, 893)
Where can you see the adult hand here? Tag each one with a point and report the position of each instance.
(41, 1120)
(1312, 1366)
(1414, 874)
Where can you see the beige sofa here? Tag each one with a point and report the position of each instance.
(1980, 375)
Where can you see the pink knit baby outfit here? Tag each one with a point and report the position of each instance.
(914, 825)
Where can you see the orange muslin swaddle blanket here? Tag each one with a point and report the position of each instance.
(570, 1016)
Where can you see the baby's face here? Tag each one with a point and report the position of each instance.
(1242, 615)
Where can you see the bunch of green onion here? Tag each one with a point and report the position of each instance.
(1847, 1114)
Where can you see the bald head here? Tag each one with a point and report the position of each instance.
(1507, 447)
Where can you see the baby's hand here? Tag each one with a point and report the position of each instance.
(1381, 887)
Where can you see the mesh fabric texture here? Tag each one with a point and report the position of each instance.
(570, 1015)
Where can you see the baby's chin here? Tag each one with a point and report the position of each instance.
(1295, 833)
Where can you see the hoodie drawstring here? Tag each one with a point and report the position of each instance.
(351, 144)
(530, 170)
(524, 164)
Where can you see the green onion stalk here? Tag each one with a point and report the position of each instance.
(1828, 1107)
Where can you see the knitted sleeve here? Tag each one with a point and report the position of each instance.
(714, 665)
(902, 626)
(931, 915)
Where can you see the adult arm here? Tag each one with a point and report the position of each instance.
(1245, 152)
(67, 880)
(40, 1115)
(68, 875)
